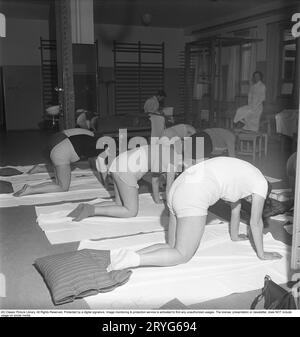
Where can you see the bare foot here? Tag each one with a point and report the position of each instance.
(23, 191)
(37, 169)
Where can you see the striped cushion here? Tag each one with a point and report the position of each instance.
(78, 274)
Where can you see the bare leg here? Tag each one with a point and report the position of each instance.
(171, 238)
(126, 201)
(62, 184)
(115, 202)
(189, 231)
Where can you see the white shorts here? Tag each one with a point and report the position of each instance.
(187, 199)
(131, 166)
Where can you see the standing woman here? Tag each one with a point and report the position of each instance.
(126, 170)
(65, 148)
(224, 178)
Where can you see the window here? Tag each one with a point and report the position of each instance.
(288, 62)
(247, 58)
(245, 68)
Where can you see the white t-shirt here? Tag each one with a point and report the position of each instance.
(203, 184)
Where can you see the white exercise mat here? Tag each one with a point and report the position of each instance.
(219, 268)
(22, 168)
(26, 178)
(78, 181)
(142, 239)
(84, 185)
(61, 229)
(8, 200)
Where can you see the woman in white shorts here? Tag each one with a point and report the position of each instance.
(190, 196)
(126, 170)
(65, 148)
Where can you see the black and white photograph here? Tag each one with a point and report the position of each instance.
(113, 115)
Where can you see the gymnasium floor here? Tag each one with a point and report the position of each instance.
(22, 241)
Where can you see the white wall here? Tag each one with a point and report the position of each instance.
(21, 59)
(22, 41)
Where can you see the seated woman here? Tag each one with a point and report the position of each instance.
(65, 148)
(126, 170)
(248, 116)
(222, 140)
(224, 178)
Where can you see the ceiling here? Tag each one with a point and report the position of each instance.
(165, 13)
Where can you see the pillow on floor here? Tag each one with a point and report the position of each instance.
(6, 187)
(9, 171)
(79, 273)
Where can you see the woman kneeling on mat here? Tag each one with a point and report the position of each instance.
(126, 170)
(189, 198)
(65, 148)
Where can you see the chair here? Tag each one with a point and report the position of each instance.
(264, 142)
(250, 144)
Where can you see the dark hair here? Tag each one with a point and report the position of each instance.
(259, 73)
(207, 145)
(161, 93)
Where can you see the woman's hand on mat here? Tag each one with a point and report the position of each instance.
(271, 256)
(23, 191)
(240, 237)
(82, 211)
(158, 200)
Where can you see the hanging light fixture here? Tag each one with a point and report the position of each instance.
(2, 25)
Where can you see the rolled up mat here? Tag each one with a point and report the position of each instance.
(78, 274)
(6, 187)
(9, 171)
